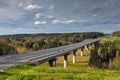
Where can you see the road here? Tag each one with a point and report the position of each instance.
(9, 61)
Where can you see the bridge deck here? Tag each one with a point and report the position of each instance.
(8, 61)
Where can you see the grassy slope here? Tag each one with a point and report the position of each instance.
(78, 71)
(110, 38)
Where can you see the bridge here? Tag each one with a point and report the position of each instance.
(48, 55)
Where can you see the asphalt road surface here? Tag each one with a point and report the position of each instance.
(9, 61)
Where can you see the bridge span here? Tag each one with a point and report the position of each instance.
(41, 56)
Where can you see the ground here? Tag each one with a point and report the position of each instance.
(78, 71)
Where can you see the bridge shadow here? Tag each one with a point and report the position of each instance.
(25, 66)
(4, 75)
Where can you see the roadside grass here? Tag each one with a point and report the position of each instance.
(78, 71)
(109, 38)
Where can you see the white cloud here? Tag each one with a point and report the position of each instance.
(94, 15)
(39, 15)
(70, 21)
(13, 10)
(82, 21)
(56, 21)
(7, 15)
(51, 7)
(50, 17)
(33, 7)
(40, 22)
(20, 4)
(118, 25)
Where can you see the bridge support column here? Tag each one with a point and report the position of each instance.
(90, 46)
(93, 45)
(82, 52)
(86, 47)
(74, 56)
(65, 61)
(96, 43)
(52, 62)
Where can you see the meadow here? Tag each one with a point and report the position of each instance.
(78, 71)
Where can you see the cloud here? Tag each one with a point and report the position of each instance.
(82, 21)
(20, 4)
(56, 21)
(39, 15)
(8, 15)
(33, 7)
(16, 13)
(70, 21)
(12, 11)
(50, 17)
(118, 25)
(51, 7)
(40, 22)
(94, 15)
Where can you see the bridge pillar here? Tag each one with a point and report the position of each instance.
(90, 46)
(86, 47)
(96, 43)
(65, 61)
(74, 56)
(82, 52)
(52, 62)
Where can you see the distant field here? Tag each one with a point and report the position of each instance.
(78, 71)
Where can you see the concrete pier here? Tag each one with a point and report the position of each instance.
(82, 52)
(52, 62)
(65, 61)
(90, 46)
(74, 56)
(86, 47)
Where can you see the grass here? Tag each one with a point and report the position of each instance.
(78, 71)
(109, 38)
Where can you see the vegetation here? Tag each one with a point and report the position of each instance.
(106, 55)
(6, 48)
(97, 64)
(78, 71)
(11, 44)
(117, 34)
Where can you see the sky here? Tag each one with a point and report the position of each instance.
(59, 16)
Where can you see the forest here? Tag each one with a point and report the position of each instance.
(102, 62)
(21, 43)
(106, 54)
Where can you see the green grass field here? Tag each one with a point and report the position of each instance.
(78, 71)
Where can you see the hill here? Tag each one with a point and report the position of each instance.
(78, 71)
(82, 70)
(21, 43)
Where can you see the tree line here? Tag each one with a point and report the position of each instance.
(106, 54)
(20, 43)
(117, 34)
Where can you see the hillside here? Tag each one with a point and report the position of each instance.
(78, 71)
(21, 43)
